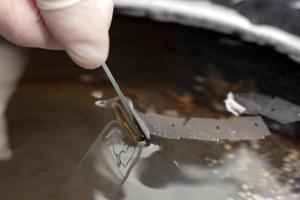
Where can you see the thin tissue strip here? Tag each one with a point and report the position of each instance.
(237, 128)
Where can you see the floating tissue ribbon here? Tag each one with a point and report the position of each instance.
(237, 128)
(207, 129)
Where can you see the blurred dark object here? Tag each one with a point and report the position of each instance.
(283, 14)
(266, 22)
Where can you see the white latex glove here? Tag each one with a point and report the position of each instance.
(12, 61)
(80, 27)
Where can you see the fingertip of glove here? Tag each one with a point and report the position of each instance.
(88, 56)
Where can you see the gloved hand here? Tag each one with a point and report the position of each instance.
(80, 27)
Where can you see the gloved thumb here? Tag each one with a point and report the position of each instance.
(81, 27)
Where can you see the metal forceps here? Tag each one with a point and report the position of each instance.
(127, 115)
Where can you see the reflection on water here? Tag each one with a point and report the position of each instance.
(105, 166)
(184, 169)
